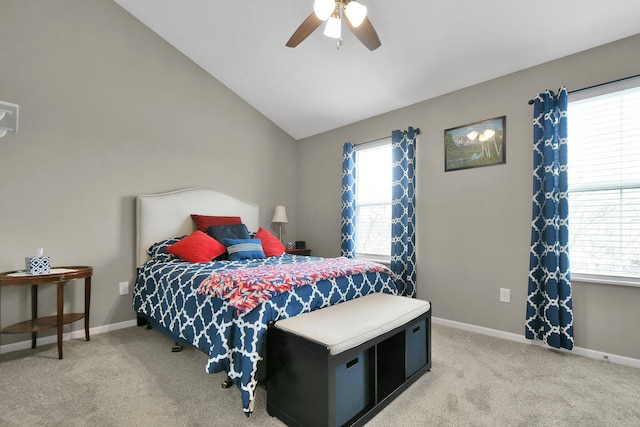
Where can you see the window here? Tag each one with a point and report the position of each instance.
(604, 183)
(373, 201)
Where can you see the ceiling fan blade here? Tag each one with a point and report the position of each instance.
(365, 33)
(304, 30)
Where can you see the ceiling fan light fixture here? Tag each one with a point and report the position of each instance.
(333, 28)
(356, 19)
(323, 8)
(356, 12)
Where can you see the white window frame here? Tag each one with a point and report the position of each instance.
(578, 96)
(383, 259)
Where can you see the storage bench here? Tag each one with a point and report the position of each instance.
(342, 364)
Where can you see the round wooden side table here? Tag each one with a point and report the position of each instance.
(60, 276)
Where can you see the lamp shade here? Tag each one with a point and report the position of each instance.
(333, 28)
(356, 12)
(324, 8)
(280, 215)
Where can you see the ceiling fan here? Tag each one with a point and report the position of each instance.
(332, 11)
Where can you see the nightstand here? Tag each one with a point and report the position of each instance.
(305, 252)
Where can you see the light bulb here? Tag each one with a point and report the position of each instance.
(324, 8)
(333, 28)
(356, 12)
(472, 135)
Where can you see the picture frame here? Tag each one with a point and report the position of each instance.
(474, 145)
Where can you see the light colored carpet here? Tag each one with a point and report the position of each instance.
(130, 378)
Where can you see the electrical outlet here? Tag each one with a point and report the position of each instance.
(505, 295)
(124, 288)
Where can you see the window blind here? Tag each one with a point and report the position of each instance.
(604, 182)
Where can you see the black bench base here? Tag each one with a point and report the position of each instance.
(307, 386)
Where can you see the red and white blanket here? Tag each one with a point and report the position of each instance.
(247, 287)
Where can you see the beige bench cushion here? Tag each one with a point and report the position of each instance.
(351, 323)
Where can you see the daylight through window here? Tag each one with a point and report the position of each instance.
(373, 201)
(604, 182)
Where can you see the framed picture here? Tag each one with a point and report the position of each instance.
(476, 144)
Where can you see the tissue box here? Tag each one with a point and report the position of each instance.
(37, 265)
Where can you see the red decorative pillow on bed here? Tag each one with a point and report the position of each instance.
(197, 247)
(203, 222)
(271, 245)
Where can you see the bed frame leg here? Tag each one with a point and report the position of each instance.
(227, 383)
(141, 321)
(176, 347)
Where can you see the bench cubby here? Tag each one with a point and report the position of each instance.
(342, 364)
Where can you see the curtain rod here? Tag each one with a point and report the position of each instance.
(531, 101)
(416, 131)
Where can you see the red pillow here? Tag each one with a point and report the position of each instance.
(271, 245)
(197, 247)
(203, 222)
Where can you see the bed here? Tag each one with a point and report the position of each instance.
(218, 317)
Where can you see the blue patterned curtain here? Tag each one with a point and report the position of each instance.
(348, 226)
(549, 307)
(403, 213)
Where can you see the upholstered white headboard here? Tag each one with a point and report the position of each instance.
(166, 215)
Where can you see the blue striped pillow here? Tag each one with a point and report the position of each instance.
(239, 249)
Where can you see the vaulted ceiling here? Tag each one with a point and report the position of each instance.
(429, 48)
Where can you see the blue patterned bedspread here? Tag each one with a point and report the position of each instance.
(166, 291)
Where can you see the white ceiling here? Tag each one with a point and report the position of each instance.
(429, 48)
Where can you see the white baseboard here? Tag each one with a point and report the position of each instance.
(23, 345)
(594, 354)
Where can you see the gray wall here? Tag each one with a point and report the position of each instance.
(474, 225)
(108, 110)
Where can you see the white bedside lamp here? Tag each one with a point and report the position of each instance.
(280, 216)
